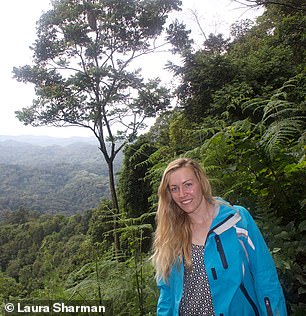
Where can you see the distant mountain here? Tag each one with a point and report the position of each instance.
(48, 140)
(65, 176)
(15, 152)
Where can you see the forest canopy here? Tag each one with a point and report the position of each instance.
(52, 178)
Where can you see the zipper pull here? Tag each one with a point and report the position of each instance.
(268, 306)
(221, 251)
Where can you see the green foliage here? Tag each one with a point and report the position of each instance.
(203, 74)
(9, 288)
(229, 102)
(101, 225)
(130, 286)
(31, 250)
(241, 114)
(216, 44)
(51, 257)
(287, 245)
(291, 32)
(132, 177)
(53, 179)
(283, 116)
(181, 134)
(243, 118)
(84, 71)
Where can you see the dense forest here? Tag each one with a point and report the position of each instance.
(241, 113)
(52, 178)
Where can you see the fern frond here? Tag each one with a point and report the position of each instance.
(285, 120)
(257, 104)
(280, 132)
(279, 109)
(141, 151)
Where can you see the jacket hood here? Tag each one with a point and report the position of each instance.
(226, 217)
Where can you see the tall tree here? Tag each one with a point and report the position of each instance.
(83, 69)
(132, 177)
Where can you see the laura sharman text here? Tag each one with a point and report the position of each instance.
(60, 308)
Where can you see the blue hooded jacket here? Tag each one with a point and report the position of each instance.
(241, 272)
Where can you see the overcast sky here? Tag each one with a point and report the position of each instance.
(17, 25)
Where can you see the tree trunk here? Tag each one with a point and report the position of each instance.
(114, 204)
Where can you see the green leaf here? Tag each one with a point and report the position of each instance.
(301, 279)
(275, 250)
(302, 226)
(301, 290)
(283, 235)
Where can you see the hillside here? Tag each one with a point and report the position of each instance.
(51, 175)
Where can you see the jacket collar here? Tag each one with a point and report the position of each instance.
(226, 218)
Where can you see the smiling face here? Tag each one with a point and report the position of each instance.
(185, 190)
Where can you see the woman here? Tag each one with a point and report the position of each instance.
(210, 258)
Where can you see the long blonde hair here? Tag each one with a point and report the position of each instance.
(172, 240)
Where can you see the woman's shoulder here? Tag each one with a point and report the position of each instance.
(227, 209)
(223, 212)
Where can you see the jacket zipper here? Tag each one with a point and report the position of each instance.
(268, 306)
(218, 241)
(221, 251)
(214, 273)
(248, 297)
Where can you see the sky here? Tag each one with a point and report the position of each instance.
(18, 32)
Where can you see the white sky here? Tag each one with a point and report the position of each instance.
(18, 32)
